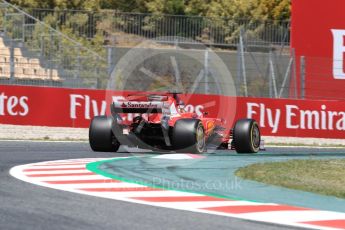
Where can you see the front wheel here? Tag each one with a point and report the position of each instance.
(246, 136)
(101, 137)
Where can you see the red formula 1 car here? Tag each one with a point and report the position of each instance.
(161, 123)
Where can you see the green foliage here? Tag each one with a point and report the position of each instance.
(235, 9)
(59, 4)
(242, 9)
(282, 10)
(271, 9)
(176, 7)
(197, 7)
(124, 5)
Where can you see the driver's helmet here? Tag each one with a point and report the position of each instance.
(180, 106)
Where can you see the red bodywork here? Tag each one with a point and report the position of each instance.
(154, 107)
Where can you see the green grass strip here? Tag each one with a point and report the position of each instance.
(326, 177)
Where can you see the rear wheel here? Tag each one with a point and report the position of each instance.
(189, 136)
(246, 136)
(101, 137)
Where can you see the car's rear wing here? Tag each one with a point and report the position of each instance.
(138, 107)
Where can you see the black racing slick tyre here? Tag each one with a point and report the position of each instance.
(101, 137)
(188, 135)
(246, 136)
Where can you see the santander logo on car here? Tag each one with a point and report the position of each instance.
(153, 105)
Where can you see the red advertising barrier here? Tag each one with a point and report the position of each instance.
(41, 106)
(318, 34)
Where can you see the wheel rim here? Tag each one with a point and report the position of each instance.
(256, 136)
(200, 139)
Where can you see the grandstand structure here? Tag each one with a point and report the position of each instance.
(25, 67)
(33, 53)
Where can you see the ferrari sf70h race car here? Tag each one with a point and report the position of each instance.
(160, 123)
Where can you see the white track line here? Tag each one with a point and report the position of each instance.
(58, 166)
(203, 204)
(57, 172)
(99, 185)
(61, 178)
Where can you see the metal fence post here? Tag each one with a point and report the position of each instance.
(272, 77)
(98, 81)
(11, 61)
(206, 70)
(302, 77)
(243, 65)
(286, 76)
(239, 67)
(109, 60)
(42, 46)
(23, 29)
(294, 69)
(78, 63)
(51, 45)
(5, 21)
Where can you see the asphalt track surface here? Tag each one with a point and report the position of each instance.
(28, 206)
